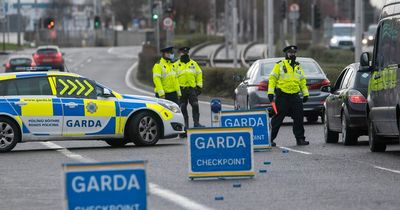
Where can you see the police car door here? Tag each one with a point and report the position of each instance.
(84, 114)
(33, 100)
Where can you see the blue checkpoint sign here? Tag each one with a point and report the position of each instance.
(257, 119)
(106, 185)
(220, 152)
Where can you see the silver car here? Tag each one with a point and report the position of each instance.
(251, 93)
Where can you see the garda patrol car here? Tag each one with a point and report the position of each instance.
(43, 106)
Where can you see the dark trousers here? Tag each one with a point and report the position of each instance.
(173, 96)
(288, 105)
(189, 95)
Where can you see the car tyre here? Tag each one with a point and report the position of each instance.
(349, 135)
(144, 129)
(329, 136)
(117, 142)
(312, 118)
(10, 134)
(374, 145)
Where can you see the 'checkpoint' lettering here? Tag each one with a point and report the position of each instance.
(219, 142)
(103, 183)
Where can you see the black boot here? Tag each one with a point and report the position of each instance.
(273, 144)
(302, 142)
(198, 125)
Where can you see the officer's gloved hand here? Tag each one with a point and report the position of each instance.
(271, 97)
(198, 90)
(305, 99)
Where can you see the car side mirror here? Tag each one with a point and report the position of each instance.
(327, 89)
(106, 93)
(365, 60)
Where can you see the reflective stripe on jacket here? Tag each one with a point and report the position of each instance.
(189, 74)
(164, 78)
(289, 80)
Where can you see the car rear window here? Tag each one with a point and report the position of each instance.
(46, 51)
(20, 61)
(309, 68)
(362, 79)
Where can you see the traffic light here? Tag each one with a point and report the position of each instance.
(317, 17)
(49, 23)
(155, 12)
(283, 10)
(97, 22)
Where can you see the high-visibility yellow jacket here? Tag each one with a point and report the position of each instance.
(189, 74)
(289, 80)
(164, 78)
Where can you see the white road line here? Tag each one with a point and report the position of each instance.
(294, 150)
(387, 169)
(153, 188)
(175, 198)
(133, 87)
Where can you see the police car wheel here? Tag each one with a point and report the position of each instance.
(9, 134)
(145, 129)
(117, 142)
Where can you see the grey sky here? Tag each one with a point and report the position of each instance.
(378, 3)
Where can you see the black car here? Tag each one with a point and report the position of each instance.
(345, 107)
(18, 63)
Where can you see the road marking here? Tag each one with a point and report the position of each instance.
(176, 198)
(387, 169)
(294, 150)
(153, 188)
(133, 87)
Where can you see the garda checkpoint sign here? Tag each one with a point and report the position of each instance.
(257, 119)
(220, 152)
(108, 185)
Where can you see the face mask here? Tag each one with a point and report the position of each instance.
(171, 56)
(185, 58)
(292, 57)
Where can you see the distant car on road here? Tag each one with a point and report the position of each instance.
(50, 56)
(53, 105)
(18, 63)
(251, 93)
(345, 107)
(369, 36)
(343, 36)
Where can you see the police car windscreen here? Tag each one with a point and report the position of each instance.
(20, 61)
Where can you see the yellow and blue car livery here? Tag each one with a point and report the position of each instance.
(61, 106)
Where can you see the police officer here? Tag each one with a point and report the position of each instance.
(190, 79)
(164, 77)
(286, 81)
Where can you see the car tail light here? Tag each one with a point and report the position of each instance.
(36, 56)
(263, 86)
(318, 85)
(33, 63)
(356, 97)
(8, 65)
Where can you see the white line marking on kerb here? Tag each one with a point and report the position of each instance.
(133, 87)
(387, 169)
(294, 150)
(153, 188)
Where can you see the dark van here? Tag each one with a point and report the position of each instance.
(383, 107)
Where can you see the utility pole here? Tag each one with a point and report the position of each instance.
(271, 47)
(227, 31)
(358, 14)
(265, 22)
(19, 23)
(235, 35)
(313, 35)
(241, 20)
(255, 21)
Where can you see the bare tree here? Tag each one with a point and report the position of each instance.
(125, 10)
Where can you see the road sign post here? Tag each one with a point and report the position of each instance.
(294, 15)
(220, 152)
(109, 185)
(257, 119)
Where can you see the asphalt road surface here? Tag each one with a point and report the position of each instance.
(318, 176)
